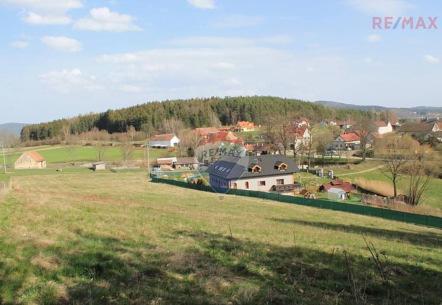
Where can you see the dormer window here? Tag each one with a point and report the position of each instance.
(255, 168)
(281, 166)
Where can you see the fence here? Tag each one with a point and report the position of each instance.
(427, 220)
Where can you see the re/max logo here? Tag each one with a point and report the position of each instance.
(404, 23)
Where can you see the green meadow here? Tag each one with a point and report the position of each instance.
(114, 238)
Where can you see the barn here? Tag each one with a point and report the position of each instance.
(30, 160)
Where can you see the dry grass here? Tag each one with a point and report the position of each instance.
(378, 187)
(116, 239)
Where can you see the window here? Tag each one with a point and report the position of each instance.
(279, 181)
(247, 185)
(255, 169)
(235, 185)
(262, 183)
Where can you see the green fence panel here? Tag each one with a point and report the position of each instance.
(427, 220)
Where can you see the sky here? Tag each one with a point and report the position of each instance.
(60, 58)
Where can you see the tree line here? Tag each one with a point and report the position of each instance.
(192, 113)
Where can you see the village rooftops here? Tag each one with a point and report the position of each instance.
(380, 123)
(163, 137)
(421, 127)
(205, 131)
(232, 168)
(350, 137)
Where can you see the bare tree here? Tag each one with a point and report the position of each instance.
(126, 147)
(172, 125)
(131, 132)
(419, 172)
(396, 152)
(66, 131)
(365, 129)
(189, 142)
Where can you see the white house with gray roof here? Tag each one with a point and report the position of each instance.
(256, 173)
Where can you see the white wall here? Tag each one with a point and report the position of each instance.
(386, 129)
(254, 182)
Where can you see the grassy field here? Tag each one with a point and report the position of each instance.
(432, 196)
(63, 154)
(106, 238)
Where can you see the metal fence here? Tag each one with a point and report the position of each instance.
(427, 220)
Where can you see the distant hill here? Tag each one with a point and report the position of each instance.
(191, 113)
(412, 112)
(12, 128)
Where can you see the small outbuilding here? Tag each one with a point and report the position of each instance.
(30, 160)
(98, 166)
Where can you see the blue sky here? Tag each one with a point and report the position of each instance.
(60, 58)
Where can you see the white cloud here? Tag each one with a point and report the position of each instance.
(104, 20)
(221, 41)
(431, 59)
(45, 5)
(235, 68)
(374, 38)
(62, 43)
(19, 44)
(130, 88)
(37, 19)
(47, 12)
(238, 21)
(202, 4)
(66, 81)
(381, 7)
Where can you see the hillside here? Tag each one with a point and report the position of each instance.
(12, 128)
(412, 112)
(85, 238)
(192, 113)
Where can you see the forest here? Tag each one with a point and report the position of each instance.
(193, 113)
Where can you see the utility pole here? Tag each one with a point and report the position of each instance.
(148, 159)
(4, 158)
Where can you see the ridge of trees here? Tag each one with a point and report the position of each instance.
(197, 112)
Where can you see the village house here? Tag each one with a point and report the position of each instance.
(383, 127)
(164, 141)
(244, 126)
(173, 163)
(30, 160)
(300, 123)
(424, 128)
(301, 136)
(257, 173)
(345, 124)
(222, 136)
(186, 162)
(347, 141)
(203, 132)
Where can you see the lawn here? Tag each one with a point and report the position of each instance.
(66, 154)
(107, 238)
(432, 197)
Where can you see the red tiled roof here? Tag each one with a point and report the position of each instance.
(350, 137)
(299, 131)
(223, 136)
(205, 131)
(245, 124)
(35, 156)
(380, 124)
(163, 137)
(339, 184)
